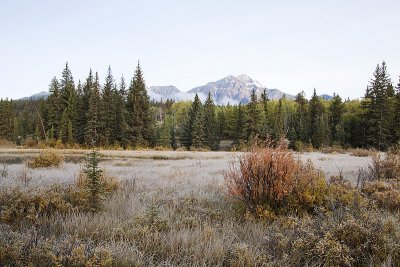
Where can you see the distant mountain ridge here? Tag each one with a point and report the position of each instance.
(231, 89)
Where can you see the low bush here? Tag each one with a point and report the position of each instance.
(360, 152)
(271, 178)
(45, 159)
(31, 206)
(332, 150)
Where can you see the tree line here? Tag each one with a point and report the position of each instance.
(117, 114)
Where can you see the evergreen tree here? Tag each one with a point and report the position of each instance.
(140, 119)
(302, 118)
(322, 134)
(92, 126)
(240, 129)
(94, 185)
(336, 111)
(198, 134)
(210, 123)
(121, 127)
(83, 107)
(377, 117)
(280, 121)
(69, 101)
(6, 119)
(253, 118)
(316, 111)
(194, 111)
(107, 112)
(81, 118)
(54, 109)
(397, 113)
(266, 128)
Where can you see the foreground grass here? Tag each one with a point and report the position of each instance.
(177, 213)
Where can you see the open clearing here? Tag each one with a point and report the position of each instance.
(172, 210)
(164, 168)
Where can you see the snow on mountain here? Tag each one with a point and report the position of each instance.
(40, 95)
(231, 89)
(236, 89)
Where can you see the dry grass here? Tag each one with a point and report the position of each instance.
(45, 159)
(177, 213)
(360, 152)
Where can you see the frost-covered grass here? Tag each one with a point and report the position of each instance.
(173, 210)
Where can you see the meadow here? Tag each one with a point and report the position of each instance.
(173, 209)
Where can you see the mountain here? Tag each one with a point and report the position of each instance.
(231, 89)
(41, 95)
(326, 97)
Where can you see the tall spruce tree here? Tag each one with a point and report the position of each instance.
(253, 118)
(210, 123)
(54, 109)
(140, 119)
(194, 111)
(336, 108)
(68, 103)
(302, 118)
(377, 117)
(107, 112)
(121, 127)
(316, 111)
(92, 126)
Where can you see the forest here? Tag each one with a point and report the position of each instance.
(120, 114)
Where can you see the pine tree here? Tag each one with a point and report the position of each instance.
(377, 117)
(253, 118)
(92, 126)
(198, 132)
(121, 127)
(6, 119)
(397, 113)
(240, 128)
(194, 111)
(302, 118)
(316, 111)
(266, 128)
(280, 121)
(81, 118)
(54, 108)
(140, 119)
(69, 101)
(336, 111)
(210, 123)
(94, 185)
(83, 108)
(107, 112)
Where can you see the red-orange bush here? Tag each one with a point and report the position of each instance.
(272, 177)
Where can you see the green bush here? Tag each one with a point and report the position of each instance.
(45, 159)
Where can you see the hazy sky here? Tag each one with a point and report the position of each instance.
(333, 46)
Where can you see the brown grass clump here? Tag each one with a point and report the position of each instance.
(45, 159)
(272, 178)
(360, 152)
(332, 150)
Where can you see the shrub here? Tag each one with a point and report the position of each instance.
(272, 178)
(360, 152)
(17, 205)
(303, 147)
(45, 159)
(382, 168)
(332, 150)
(385, 193)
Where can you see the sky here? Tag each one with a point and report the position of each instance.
(332, 46)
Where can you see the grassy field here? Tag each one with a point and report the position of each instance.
(172, 209)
